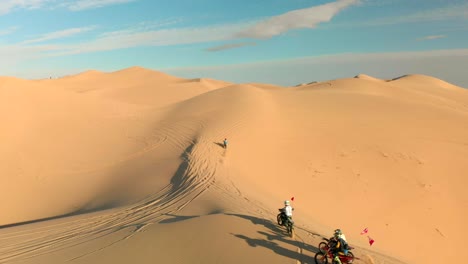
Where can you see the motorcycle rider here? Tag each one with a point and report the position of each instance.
(338, 246)
(340, 234)
(287, 211)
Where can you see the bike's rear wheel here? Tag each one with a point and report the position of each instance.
(323, 247)
(291, 230)
(349, 258)
(320, 258)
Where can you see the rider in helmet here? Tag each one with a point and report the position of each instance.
(340, 234)
(287, 211)
(339, 246)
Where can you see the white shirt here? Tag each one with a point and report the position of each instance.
(288, 210)
(342, 236)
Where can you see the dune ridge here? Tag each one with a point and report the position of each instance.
(134, 160)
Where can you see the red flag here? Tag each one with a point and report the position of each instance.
(292, 198)
(364, 231)
(371, 241)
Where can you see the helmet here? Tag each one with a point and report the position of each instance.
(337, 233)
(286, 202)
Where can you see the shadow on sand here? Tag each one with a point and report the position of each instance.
(178, 181)
(219, 144)
(176, 218)
(272, 239)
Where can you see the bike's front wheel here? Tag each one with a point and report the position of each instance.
(323, 247)
(320, 258)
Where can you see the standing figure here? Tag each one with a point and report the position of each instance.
(225, 143)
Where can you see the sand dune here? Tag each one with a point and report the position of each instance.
(128, 166)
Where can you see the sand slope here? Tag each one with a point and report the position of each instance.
(135, 158)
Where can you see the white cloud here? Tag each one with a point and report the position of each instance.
(433, 37)
(89, 4)
(137, 36)
(301, 18)
(455, 11)
(451, 11)
(13, 54)
(59, 34)
(8, 31)
(141, 35)
(134, 38)
(7, 6)
(231, 46)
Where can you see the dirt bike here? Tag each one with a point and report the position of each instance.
(325, 253)
(324, 246)
(284, 220)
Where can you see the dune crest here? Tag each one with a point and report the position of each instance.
(210, 83)
(367, 77)
(420, 79)
(86, 75)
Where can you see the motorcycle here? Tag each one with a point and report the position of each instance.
(284, 220)
(325, 253)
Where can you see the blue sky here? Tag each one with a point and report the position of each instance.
(273, 41)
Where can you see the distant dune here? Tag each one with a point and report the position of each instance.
(128, 166)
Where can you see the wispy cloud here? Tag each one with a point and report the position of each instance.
(231, 46)
(141, 35)
(451, 11)
(13, 54)
(89, 4)
(59, 34)
(128, 38)
(433, 37)
(163, 37)
(300, 18)
(7, 6)
(7, 31)
(296, 19)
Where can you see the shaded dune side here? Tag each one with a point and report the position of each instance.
(56, 144)
(195, 175)
(94, 140)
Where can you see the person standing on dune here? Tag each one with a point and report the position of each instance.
(225, 143)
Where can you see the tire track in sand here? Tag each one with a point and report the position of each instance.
(195, 175)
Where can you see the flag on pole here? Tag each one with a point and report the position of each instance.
(371, 241)
(364, 231)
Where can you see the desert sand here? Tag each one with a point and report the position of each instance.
(128, 167)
